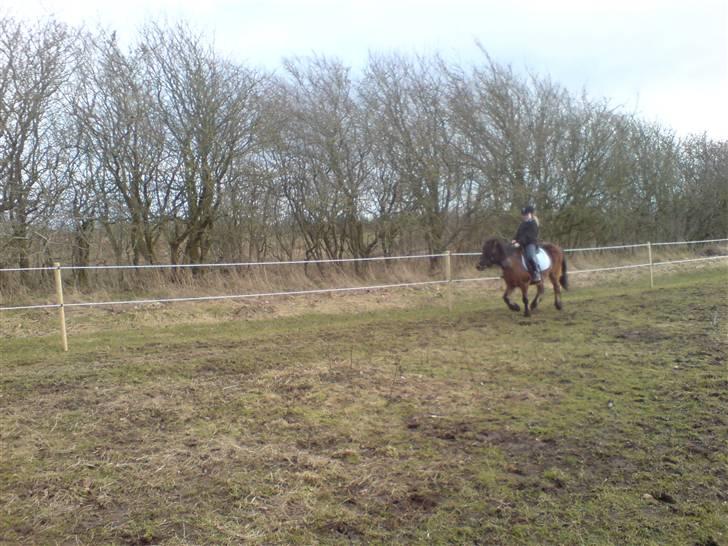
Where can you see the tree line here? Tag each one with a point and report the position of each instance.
(167, 151)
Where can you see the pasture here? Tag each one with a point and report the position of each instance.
(404, 423)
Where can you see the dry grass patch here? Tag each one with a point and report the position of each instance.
(600, 424)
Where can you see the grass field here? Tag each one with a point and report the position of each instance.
(606, 423)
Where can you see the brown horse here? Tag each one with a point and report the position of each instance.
(508, 257)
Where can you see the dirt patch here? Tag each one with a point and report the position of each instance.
(343, 530)
(419, 500)
(464, 435)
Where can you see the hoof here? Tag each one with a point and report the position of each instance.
(559, 306)
(515, 307)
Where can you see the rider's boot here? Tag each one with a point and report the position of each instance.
(534, 270)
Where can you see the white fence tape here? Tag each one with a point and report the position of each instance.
(259, 294)
(690, 260)
(616, 268)
(337, 290)
(22, 269)
(231, 264)
(691, 242)
(571, 272)
(328, 261)
(614, 247)
(632, 266)
(229, 297)
(476, 279)
(19, 307)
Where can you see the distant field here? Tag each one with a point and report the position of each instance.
(606, 423)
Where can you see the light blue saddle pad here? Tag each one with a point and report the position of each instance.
(543, 259)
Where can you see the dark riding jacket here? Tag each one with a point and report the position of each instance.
(527, 233)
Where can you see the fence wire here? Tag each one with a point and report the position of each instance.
(230, 264)
(228, 297)
(690, 242)
(336, 290)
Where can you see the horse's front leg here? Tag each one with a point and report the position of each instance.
(506, 298)
(524, 292)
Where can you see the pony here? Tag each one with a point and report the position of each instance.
(508, 258)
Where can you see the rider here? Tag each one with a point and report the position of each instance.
(527, 238)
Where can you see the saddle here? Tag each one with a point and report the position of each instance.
(542, 257)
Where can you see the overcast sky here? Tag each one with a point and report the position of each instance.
(666, 60)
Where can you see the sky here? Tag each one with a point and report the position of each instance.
(666, 61)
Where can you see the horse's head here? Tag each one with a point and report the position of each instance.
(493, 254)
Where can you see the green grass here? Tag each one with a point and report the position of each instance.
(602, 424)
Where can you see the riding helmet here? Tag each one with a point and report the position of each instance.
(528, 209)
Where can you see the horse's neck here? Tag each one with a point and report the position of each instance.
(507, 251)
(510, 250)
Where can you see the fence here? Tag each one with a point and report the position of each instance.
(448, 279)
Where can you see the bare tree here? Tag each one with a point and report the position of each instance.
(205, 107)
(582, 158)
(703, 166)
(34, 64)
(412, 99)
(321, 158)
(118, 114)
(170, 142)
(248, 212)
(81, 174)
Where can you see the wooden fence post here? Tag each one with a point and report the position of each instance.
(652, 275)
(448, 278)
(59, 300)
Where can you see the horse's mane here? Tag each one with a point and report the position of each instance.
(505, 246)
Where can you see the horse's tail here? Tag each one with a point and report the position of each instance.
(564, 279)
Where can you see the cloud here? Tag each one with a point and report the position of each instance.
(667, 58)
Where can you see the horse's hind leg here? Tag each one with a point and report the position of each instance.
(524, 291)
(537, 298)
(512, 306)
(557, 290)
